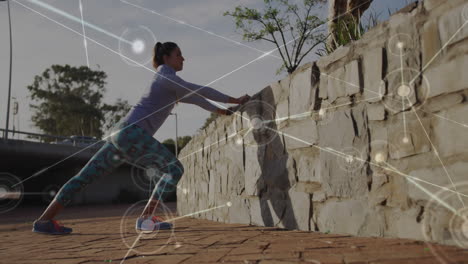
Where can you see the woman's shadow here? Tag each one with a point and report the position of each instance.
(275, 180)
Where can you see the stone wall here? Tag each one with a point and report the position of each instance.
(357, 143)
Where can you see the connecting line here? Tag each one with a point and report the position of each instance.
(188, 155)
(84, 34)
(269, 53)
(73, 18)
(402, 97)
(201, 149)
(437, 54)
(437, 154)
(195, 27)
(194, 213)
(404, 115)
(390, 94)
(333, 151)
(309, 113)
(17, 195)
(139, 235)
(144, 169)
(435, 197)
(401, 65)
(443, 117)
(168, 220)
(351, 84)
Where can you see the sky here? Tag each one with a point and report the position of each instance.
(215, 54)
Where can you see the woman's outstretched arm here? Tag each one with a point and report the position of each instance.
(187, 89)
(200, 101)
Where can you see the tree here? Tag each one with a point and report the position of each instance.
(274, 22)
(70, 101)
(181, 142)
(115, 112)
(345, 22)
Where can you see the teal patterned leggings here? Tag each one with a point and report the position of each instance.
(132, 144)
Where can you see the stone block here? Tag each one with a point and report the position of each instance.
(308, 187)
(451, 138)
(438, 103)
(282, 112)
(300, 134)
(345, 135)
(413, 140)
(375, 112)
(336, 84)
(308, 165)
(403, 223)
(430, 41)
(253, 168)
(447, 77)
(301, 93)
(342, 217)
(379, 195)
(338, 54)
(431, 4)
(323, 86)
(373, 68)
(297, 215)
(353, 77)
(452, 26)
(256, 211)
(239, 211)
(437, 175)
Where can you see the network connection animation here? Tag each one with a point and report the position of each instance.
(357, 153)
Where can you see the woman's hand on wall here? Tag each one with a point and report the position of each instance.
(239, 100)
(243, 99)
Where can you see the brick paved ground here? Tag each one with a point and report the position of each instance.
(97, 239)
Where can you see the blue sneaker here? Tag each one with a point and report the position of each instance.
(151, 224)
(51, 227)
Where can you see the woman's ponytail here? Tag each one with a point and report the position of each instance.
(157, 49)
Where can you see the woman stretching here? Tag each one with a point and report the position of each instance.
(132, 140)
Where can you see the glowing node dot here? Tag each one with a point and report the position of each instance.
(138, 46)
(184, 191)
(349, 159)
(379, 157)
(256, 123)
(52, 193)
(404, 90)
(239, 141)
(229, 204)
(3, 192)
(400, 45)
(405, 139)
(116, 157)
(150, 172)
(178, 245)
(321, 112)
(147, 224)
(465, 228)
